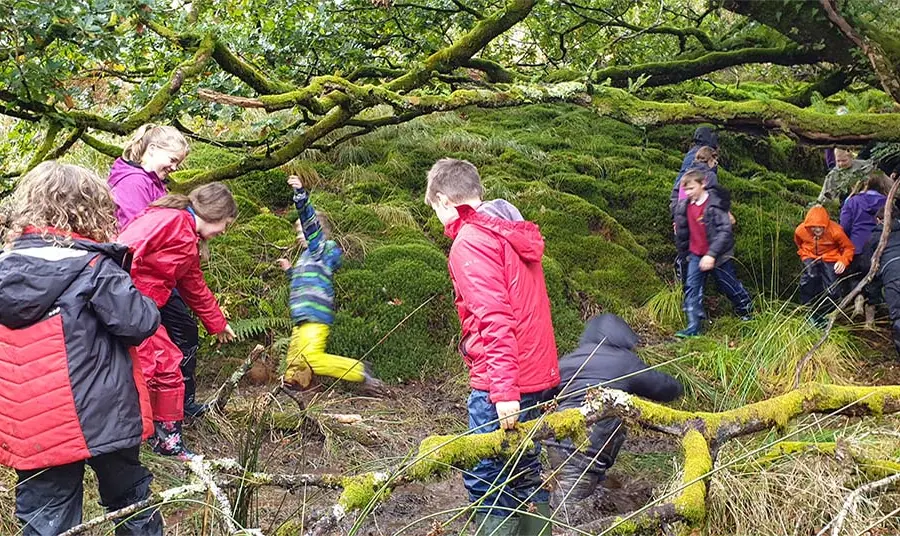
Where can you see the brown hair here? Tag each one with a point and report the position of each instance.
(66, 197)
(706, 154)
(212, 202)
(165, 137)
(879, 182)
(694, 175)
(457, 179)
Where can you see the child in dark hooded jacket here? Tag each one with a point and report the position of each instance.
(605, 357)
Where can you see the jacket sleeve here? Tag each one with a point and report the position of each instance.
(847, 216)
(131, 196)
(198, 297)
(844, 243)
(724, 234)
(312, 229)
(478, 270)
(121, 308)
(653, 384)
(682, 234)
(827, 187)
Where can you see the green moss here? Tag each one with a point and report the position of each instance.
(361, 490)
(691, 502)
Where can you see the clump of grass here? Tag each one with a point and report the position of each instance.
(664, 307)
(800, 493)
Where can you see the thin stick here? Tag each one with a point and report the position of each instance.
(157, 500)
(848, 299)
(225, 391)
(850, 503)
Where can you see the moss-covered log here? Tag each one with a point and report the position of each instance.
(807, 125)
(675, 71)
(774, 412)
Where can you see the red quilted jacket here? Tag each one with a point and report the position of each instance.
(164, 241)
(501, 297)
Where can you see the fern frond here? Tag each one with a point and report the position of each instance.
(253, 327)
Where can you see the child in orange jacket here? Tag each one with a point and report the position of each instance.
(826, 252)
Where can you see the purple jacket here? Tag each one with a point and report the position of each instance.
(858, 216)
(133, 189)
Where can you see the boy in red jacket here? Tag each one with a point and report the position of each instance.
(507, 338)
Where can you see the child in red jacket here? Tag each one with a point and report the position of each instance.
(71, 393)
(507, 338)
(166, 240)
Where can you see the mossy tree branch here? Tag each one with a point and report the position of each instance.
(46, 145)
(675, 71)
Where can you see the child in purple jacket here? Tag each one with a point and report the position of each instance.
(138, 178)
(858, 220)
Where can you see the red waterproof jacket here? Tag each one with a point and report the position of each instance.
(70, 388)
(501, 296)
(166, 257)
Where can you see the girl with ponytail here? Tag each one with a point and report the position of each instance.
(166, 240)
(139, 177)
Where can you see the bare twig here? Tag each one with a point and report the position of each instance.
(227, 388)
(848, 299)
(850, 503)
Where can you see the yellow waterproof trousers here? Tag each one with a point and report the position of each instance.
(306, 356)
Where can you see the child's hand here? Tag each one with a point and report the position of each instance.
(707, 263)
(731, 218)
(508, 412)
(295, 182)
(226, 335)
(284, 264)
(839, 267)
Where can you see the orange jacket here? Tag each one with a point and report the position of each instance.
(832, 246)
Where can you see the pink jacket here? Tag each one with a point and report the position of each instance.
(501, 297)
(133, 189)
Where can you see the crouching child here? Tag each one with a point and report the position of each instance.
(826, 252)
(704, 237)
(72, 393)
(605, 357)
(507, 340)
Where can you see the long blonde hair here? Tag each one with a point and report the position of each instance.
(66, 197)
(165, 137)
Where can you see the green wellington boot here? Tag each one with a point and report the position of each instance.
(537, 523)
(488, 525)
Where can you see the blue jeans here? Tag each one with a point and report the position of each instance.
(491, 473)
(726, 282)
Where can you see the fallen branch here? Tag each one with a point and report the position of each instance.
(848, 299)
(203, 471)
(855, 495)
(227, 388)
(157, 499)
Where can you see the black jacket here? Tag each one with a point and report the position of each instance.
(69, 389)
(605, 357)
(719, 234)
(889, 266)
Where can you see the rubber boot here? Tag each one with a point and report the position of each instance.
(168, 441)
(488, 525)
(870, 317)
(536, 523)
(858, 305)
(192, 408)
(693, 329)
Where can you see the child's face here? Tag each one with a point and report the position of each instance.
(817, 231)
(209, 230)
(693, 190)
(161, 161)
(842, 159)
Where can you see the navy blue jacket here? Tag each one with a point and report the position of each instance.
(703, 136)
(719, 234)
(605, 357)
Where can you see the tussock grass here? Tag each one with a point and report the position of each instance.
(664, 308)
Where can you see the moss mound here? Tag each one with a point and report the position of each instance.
(598, 189)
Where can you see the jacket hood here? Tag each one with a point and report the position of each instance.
(870, 201)
(121, 169)
(706, 136)
(817, 217)
(503, 219)
(28, 291)
(616, 331)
